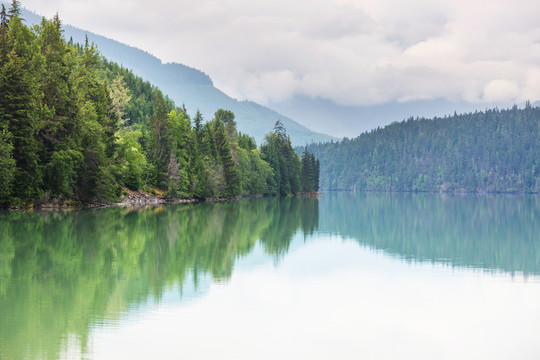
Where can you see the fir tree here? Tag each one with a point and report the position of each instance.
(3, 17)
(279, 153)
(4, 43)
(7, 166)
(158, 140)
(307, 172)
(316, 173)
(232, 180)
(70, 129)
(15, 10)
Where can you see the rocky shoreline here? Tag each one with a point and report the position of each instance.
(140, 198)
(132, 199)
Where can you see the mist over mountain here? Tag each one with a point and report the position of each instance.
(190, 87)
(325, 116)
(313, 117)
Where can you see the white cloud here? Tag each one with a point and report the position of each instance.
(354, 52)
(500, 90)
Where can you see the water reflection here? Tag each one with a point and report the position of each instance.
(63, 272)
(492, 232)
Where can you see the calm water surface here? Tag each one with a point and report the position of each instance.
(347, 276)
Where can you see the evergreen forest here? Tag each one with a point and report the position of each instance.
(74, 126)
(485, 151)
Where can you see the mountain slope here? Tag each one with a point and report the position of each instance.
(191, 87)
(492, 151)
(350, 121)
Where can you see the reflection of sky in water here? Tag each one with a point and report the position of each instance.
(382, 276)
(334, 299)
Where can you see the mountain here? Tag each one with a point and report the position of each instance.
(191, 87)
(490, 151)
(326, 116)
(75, 126)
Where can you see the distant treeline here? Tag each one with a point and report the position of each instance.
(490, 151)
(74, 126)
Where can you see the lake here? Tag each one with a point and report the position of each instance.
(345, 276)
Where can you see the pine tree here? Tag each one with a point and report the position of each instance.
(17, 96)
(198, 128)
(270, 155)
(316, 173)
(307, 172)
(246, 142)
(198, 177)
(3, 16)
(159, 153)
(178, 144)
(15, 9)
(7, 166)
(63, 134)
(58, 102)
(4, 41)
(209, 142)
(231, 175)
(16, 110)
(279, 153)
(294, 167)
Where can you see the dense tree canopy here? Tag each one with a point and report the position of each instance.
(75, 126)
(492, 151)
(279, 153)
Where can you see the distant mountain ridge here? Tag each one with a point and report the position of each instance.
(191, 87)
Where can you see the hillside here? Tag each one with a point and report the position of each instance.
(491, 151)
(76, 127)
(185, 85)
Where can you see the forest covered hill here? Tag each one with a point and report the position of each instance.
(74, 126)
(188, 86)
(487, 151)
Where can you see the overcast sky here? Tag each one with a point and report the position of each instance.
(354, 52)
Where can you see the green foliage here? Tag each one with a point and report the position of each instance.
(225, 116)
(7, 165)
(490, 231)
(75, 126)
(246, 142)
(18, 94)
(177, 131)
(223, 146)
(120, 98)
(309, 177)
(15, 9)
(61, 271)
(160, 140)
(279, 153)
(490, 151)
(132, 161)
(61, 172)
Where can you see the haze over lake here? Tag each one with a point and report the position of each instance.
(346, 276)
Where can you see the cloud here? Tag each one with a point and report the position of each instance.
(353, 52)
(500, 90)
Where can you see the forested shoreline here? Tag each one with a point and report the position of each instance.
(485, 151)
(78, 129)
(75, 127)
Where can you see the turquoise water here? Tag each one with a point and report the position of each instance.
(347, 276)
